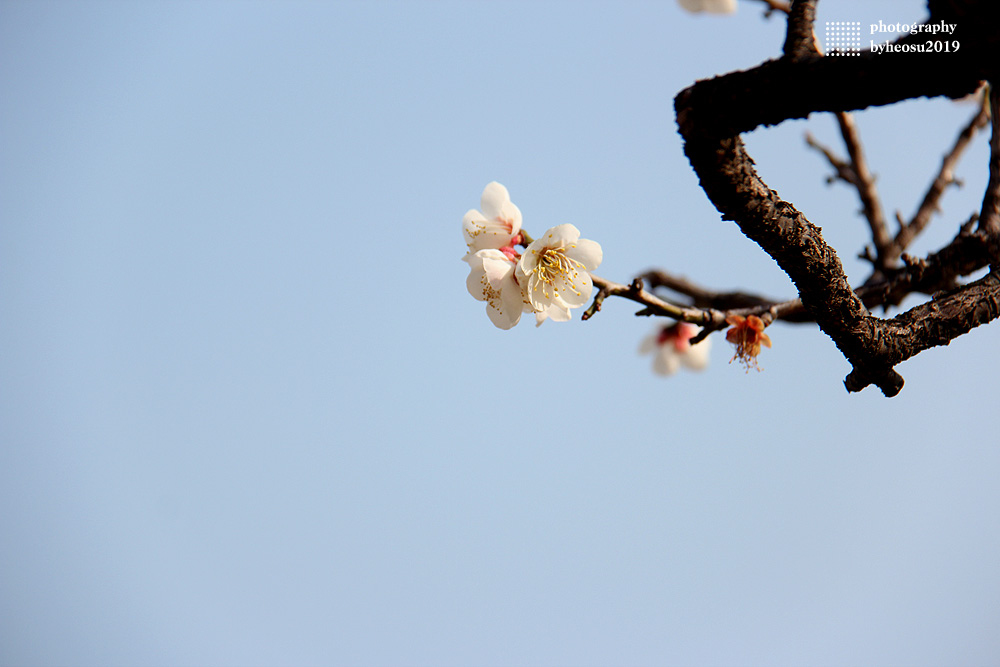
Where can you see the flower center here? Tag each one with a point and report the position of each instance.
(553, 264)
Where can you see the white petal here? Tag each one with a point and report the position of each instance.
(666, 362)
(696, 356)
(557, 312)
(472, 216)
(502, 319)
(539, 294)
(474, 283)
(710, 6)
(493, 199)
(511, 214)
(498, 269)
(576, 289)
(481, 233)
(587, 252)
(558, 236)
(720, 6)
(648, 343)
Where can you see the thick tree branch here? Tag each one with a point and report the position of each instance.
(936, 322)
(712, 113)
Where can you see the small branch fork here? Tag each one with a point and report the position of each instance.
(888, 250)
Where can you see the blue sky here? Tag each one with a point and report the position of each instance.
(251, 416)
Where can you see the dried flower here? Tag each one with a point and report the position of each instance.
(747, 334)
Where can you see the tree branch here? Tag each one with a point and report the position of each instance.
(865, 184)
(989, 217)
(945, 177)
(800, 41)
(712, 113)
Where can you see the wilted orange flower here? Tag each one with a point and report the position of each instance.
(747, 335)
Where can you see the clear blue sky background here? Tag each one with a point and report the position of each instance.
(249, 414)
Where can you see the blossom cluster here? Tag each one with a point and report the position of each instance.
(549, 279)
(552, 276)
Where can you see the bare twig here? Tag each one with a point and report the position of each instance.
(856, 174)
(865, 184)
(699, 312)
(989, 218)
(843, 169)
(776, 6)
(653, 304)
(945, 177)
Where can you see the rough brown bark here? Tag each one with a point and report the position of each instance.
(712, 114)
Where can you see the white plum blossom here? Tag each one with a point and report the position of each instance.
(497, 226)
(554, 271)
(672, 349)
(491, 279)
(710, 6)
(549, 279)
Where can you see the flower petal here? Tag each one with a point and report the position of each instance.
(587, 252)
(502, 319)
(575, 290)
(666, 361)
(493, 199)
(474, 283)
(649, 343)
(696, 356)
(559, 236)
(557, 312)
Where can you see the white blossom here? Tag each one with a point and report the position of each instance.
(672, 349)
(497, 226)
(710, 6)
(554, 271)
(557, 312)
(491, 279)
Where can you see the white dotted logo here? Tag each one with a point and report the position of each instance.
(843, 38)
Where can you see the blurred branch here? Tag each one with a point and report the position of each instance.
(776, 6)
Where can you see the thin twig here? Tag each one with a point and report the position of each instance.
(843, 169)
(856, 174)
(776, 6)
(989, 217)
(865, 184)
(945, 177)
(714, 318)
